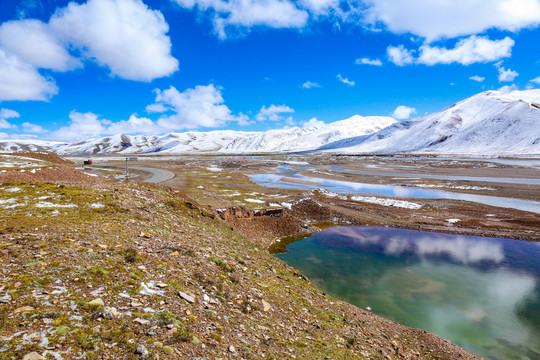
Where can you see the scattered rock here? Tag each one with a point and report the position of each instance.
(266, 306)
(33, 356)
(109, 313)
(187, 297)
(96, 302)
(142, 321)
(142, 351)
(195, 340)
(23, 309)
(232, 349)
(168, 350)
(162, 285)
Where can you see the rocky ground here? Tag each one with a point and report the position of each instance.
(96, 269)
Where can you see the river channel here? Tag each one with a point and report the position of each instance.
(279, 180)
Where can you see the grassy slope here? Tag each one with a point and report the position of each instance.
(119, 239)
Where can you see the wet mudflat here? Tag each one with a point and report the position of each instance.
(480, 293)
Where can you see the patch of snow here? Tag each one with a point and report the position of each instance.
(97, 205)
(13, 189)
(452, 221)
(46, 204)
(148, 289)
(387, 202)
(255, 201)
(216, 169)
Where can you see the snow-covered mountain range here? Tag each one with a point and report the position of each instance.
(490, 123)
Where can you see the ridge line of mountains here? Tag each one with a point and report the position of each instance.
(489, 123)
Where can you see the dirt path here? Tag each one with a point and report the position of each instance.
(158, 175)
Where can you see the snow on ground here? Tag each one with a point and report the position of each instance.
(452, 221)
(387, 202)
(255, 201)
(46, 204)
(456, 187)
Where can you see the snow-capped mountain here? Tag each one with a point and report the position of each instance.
(293, 139)
(492, 122)
(310, 137)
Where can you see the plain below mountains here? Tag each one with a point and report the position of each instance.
(490, 123)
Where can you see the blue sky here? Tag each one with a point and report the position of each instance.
(83, 69)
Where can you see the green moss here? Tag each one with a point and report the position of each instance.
(131, 255)
(281, 246)
(221, 263)
(62, 330)
(87, 341)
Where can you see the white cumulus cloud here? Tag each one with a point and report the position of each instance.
(21, 81)
(474, 49)
(81, 126)
(7, 114)
(202, 106)
(345, 80)
(477, 78)
(399, 55)
(403, 112)
(437, 19)
(471, 50)
(507, 75)
(536, 80)
(274, 113)
(249, 13)
(368, 61)
(123, 35)
(34, 42)
(309, 85)
(313, 123)
(33, 128)
(134, 125)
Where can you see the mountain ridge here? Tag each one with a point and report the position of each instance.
(489, 123)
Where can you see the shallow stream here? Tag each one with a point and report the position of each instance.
(279, 181)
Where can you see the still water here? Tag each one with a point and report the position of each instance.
(482, 294)
(348, 187)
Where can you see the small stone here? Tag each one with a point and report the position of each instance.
(33, 356)
(17, 284)
(162, 285)
(195, 340)
(266, 306)
(109, 313)
(168, 350)
(141, 350)
(96, 302)
(176, 253)
(158, 344)
(136, 304)
(23, 309)
(4, 252)
(232, 349)
(188, 298)
(141, 321)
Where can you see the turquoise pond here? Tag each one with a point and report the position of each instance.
(482, 294)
